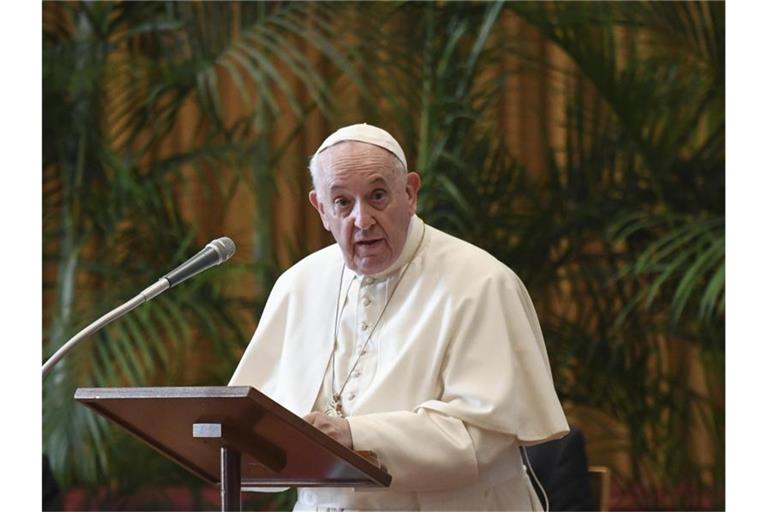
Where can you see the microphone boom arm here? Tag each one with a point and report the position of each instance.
(149, 293)
(216, 252)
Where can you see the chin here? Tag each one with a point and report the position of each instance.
(372, 268)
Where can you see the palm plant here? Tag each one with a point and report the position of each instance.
(624, 237)
(621, 238)
(643, 171)
(135, 121)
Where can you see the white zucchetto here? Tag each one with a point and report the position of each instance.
(367, 133)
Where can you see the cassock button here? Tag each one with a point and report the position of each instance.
(356, 373)
(363, 326)
(351, 396)
(367, 281)
(366, 301)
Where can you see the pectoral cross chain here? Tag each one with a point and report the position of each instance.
(334, 406)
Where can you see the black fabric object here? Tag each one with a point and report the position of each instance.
(561, 467)
(50, 487)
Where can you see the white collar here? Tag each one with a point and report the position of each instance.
(412, 239)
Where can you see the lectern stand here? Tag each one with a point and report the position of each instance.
(235, 437)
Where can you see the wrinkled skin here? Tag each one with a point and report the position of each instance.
(365, 202)
(336, 428)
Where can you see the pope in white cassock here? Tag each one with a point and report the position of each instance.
(406, 341)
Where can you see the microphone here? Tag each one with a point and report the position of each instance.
(216, 252)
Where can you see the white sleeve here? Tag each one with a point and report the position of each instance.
(497, 392)
(428, 451)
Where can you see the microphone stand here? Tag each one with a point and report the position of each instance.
(147, 294)
(214, 253)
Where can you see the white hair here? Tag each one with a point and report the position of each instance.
(315, 166)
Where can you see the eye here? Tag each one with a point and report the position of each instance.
(341, 203)
(379, 196)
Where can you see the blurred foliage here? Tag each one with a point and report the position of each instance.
(119, 82)
(619, 236)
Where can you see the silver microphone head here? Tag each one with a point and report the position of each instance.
(224, 247)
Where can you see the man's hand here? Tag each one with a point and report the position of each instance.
(337, 428)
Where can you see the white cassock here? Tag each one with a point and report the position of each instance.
(453, 379)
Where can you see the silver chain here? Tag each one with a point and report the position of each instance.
(334, 405)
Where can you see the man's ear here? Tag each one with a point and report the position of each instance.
(320, 207)
(412, 185)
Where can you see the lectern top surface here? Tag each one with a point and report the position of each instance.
(278, 448)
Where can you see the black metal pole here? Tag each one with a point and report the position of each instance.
(230, 480)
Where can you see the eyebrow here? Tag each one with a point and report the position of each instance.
(375, 181)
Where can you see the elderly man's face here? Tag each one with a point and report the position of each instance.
(365, 202)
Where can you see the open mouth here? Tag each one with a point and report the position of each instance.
(365, 246)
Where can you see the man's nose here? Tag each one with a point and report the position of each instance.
(362, 215)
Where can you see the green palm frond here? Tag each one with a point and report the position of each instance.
(685, 258)
(620, 237)
(119, 77)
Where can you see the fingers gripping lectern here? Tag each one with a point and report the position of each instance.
(235, 437)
